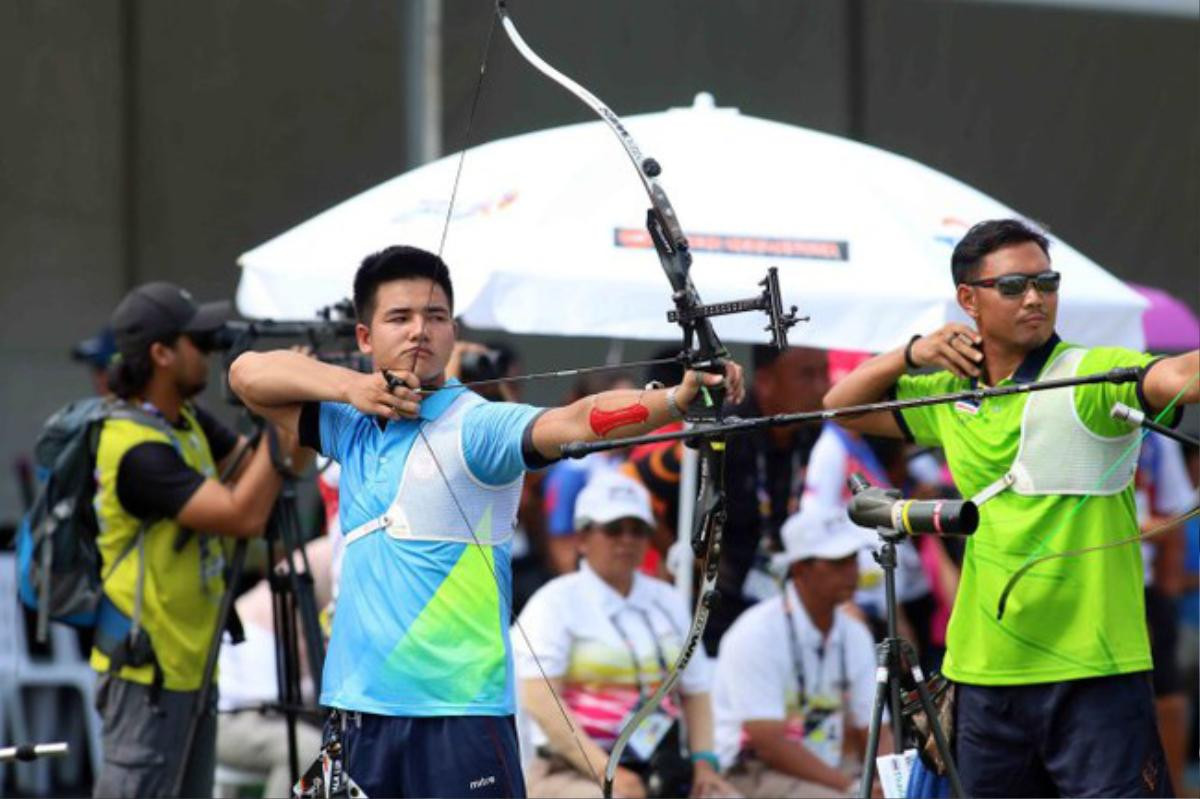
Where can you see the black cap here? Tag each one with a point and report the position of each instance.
(159, 312)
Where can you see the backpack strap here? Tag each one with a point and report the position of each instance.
(135, 647)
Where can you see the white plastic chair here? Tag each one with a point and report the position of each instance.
(41, 679)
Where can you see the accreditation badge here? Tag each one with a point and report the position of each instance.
(823, 732)
(649, 734)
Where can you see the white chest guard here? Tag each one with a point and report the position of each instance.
(427, 509)
(1058, 454)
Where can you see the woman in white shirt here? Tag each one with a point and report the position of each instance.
(605, 637)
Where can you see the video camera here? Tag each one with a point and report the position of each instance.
(330, 337)
(334, 323)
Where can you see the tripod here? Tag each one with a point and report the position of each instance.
(292, 596)
(292, 599)
(891, 656)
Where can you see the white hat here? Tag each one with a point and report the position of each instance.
(610, 495)
(820, 532)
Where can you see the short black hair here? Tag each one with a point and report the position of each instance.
(396, 263)
(985, 238)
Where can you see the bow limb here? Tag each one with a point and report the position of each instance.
(647, 168)
(662, 221)
(1036, 557)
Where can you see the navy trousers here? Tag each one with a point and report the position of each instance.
(449, 756)
(1093, 737)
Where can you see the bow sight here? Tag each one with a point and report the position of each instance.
(769, 302)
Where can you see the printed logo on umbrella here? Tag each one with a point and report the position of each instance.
(733, 244)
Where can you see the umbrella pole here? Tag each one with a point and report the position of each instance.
(680, 557)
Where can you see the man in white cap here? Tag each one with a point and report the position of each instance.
(606, 636)
(795, 674)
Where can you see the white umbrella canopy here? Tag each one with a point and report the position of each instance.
(548, 237)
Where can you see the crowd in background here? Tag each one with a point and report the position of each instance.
(773, 474)
(778, 482)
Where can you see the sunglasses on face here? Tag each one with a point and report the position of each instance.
(1017, 285)
(206, 342)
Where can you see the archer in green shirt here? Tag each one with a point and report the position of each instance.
(1051, 472)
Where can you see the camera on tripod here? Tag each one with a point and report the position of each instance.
(330, 337)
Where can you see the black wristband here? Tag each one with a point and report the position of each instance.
(908, 359)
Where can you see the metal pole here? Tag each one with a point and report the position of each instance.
(887, 559)
(680, 557)
(422, 41)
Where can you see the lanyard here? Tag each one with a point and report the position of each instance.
(658, 653)
(798, 656)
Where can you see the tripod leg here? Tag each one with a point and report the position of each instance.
(882, 690)
(939, 735)
(302, 582)
(287, 658)
(297, 621)
(894, 697)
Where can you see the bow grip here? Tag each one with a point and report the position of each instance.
(709, 400)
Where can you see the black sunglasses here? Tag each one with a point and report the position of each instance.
(1017, 285)
(205, 341)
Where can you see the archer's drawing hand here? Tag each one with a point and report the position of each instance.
(955, 346)
(371, 394)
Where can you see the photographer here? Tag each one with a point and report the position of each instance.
(160, 509)
(605, 636)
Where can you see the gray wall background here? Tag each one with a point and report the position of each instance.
(158, 139)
